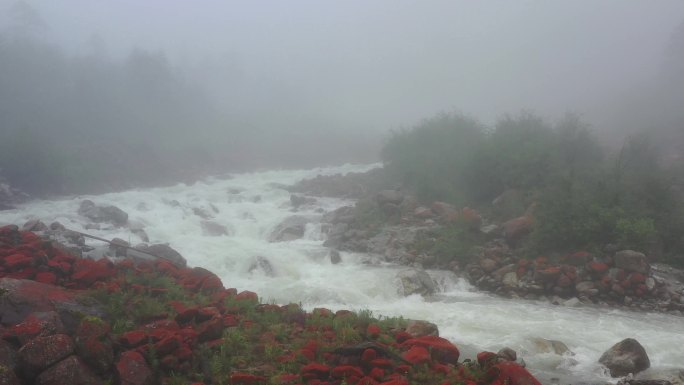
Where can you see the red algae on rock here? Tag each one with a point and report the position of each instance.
(151, 322)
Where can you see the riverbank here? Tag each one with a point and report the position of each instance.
(138, 321)
(400, 229)
(251, 207)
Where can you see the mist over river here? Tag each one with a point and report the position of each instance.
(251, 205)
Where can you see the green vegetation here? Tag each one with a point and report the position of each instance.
(582, 195)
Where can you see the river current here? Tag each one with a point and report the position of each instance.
(251, 205)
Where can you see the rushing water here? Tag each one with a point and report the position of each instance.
(251, 205)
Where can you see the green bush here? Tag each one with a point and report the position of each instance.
(585, 196)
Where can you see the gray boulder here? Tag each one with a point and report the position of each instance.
(99, 214)
(162, 250)
(625, 357)
(290, 229)
(213, 229)
(415, 281)
(631, 260)
(389, 196)
(262, 264)
(420, 328)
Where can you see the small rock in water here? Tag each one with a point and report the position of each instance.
(335, 257)
(414, 281)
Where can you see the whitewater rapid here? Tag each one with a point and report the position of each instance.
(251, 205)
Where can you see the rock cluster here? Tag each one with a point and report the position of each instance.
(71, 320)
(623, 279)
(10, 196)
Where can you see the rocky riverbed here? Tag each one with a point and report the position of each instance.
(72, 320)
(260, 247)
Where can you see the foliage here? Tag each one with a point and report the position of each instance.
(584, 196)
(453, 242)
(431, 158)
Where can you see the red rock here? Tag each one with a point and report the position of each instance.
(17, 261)
(381, 363)
(209, 330)
(247, 296)
(186, 315)
(308, 354)
(368, 355)
(188, 334)
(486, 358)
(402, 336)
(70, 371)
(442, 350)
(169, 362)
(41, 352)
(133, 338)
(322, 312)
(315, 369)
(564, 281)
(377, 374)
(230, 320)
(39, 323)
(7, 377)
(288, 378)
(344, 313)
(168, 345)
(211, 284)
(440, 368)
(373, 331)
(417, 355)
(579, 258)
(637, 278)
(367, 381)
(60, 267)
(93, 344)
(549, 274)
(25, 273)
(396, 381)
(510, 373)
(133, 370)
(597, 268)
(184, 353)
(517, 228)
(346, 371)
(46, 277)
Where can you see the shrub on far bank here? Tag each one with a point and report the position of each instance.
(584, 196)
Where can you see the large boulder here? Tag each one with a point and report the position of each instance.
(631, 260)
(70, 371)
(625, 357)
(161, 250)
(132, 369)
(10, 196)
(420, 328)
(98, 214)
(21, 298)
(517, 228)
(42, 352)
(413, 281)
(291, 228)
(299, 200)
(394, 197)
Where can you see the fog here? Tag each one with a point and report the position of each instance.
(296, 83)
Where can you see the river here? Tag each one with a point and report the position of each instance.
(251, 205)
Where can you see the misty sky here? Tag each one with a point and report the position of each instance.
(383, 64)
